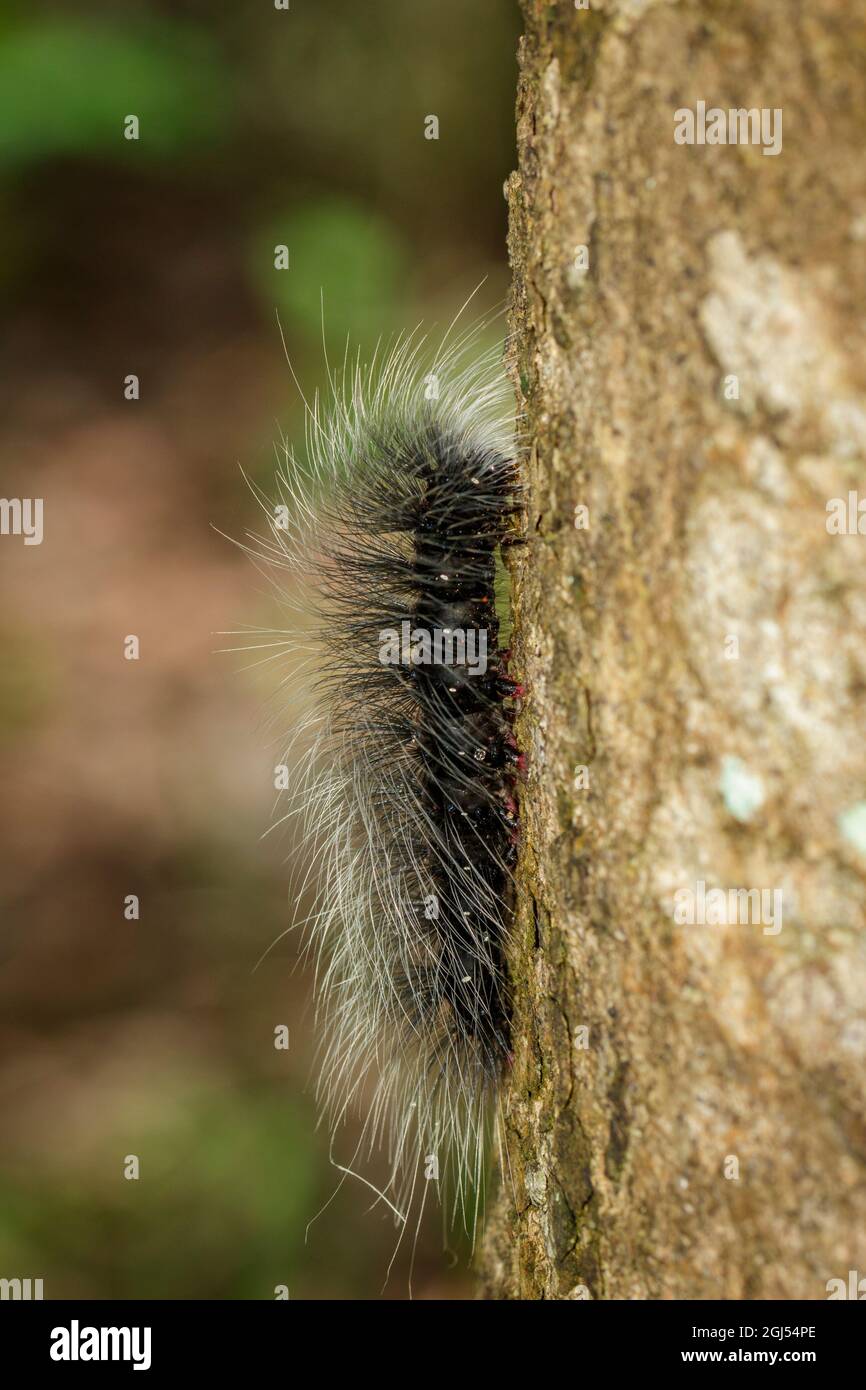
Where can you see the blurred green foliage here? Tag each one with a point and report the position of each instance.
(348, 270)
(65, 88)
(225, 1190)
(258, 128)
(28, 682)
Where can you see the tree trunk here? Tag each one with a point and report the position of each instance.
(685, 1113)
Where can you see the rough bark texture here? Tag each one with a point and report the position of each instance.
(707, 521)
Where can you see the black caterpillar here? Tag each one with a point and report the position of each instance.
(407, 788)
(466, 751)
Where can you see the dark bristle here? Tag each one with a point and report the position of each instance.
(458, 508)
(406, 787)
(420, 550)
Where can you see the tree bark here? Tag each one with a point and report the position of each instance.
(685, 1113)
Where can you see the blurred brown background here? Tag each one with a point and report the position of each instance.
(155, 257)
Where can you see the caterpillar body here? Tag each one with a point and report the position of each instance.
(391, 526)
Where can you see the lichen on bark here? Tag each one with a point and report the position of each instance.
(685, 1115)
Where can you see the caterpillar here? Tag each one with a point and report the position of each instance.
(390, 525)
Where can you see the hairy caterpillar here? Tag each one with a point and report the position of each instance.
(390, 528)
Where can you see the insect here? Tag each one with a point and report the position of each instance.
(390, 527)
